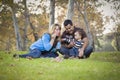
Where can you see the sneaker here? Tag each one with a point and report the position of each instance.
(16, 56)
(66, 57)
(83, 57)
(71, 57)
(29, 58)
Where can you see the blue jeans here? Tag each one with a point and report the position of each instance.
(74, 51)
(46, 54)
(37, 54)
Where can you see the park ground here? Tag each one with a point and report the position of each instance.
(100, 66)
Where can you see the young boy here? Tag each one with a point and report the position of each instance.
(78, 43)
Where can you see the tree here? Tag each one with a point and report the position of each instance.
(6, 31)
(17, 33)
(115, 6)
(115, 42)
(70, 11)
(85, 17)
(12, 8)
(26, 14)
(52, 13)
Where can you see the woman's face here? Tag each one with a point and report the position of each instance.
(57, 31)
(77, 36)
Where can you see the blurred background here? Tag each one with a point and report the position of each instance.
(24, 21)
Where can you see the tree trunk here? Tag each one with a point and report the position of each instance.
(17, 33)
(26, 14)
(86, 22)
(34, 32)
(117, 41)
(52, 13)
(70, 11)
(78, 8)
(87, 25)
(8, 44)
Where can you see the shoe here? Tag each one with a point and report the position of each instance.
(16, 56)
(66, 57)
(83, 57)
(29, 58)
(71, 57)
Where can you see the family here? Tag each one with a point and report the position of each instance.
(72, 43)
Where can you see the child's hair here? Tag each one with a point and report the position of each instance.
(81, 32)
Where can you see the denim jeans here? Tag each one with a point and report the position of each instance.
(46, 54)
(74, 51)
(35, 53)
(88, 51)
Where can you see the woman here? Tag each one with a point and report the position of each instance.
(46, 46)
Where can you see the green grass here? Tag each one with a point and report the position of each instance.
(100, 66)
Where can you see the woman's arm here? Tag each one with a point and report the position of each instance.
(53, 36)
(58, 46)
(48, 41)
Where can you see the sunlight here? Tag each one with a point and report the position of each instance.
(109, 12)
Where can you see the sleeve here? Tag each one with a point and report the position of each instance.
(56, 48)
(46, 41)
(58, 45)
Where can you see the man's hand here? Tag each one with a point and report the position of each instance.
(81, 52)
(71, 44)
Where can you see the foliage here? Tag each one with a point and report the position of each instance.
(100, 66)
(113, 44)
(40, 21)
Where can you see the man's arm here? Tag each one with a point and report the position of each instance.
(81, 50)
(85, 40)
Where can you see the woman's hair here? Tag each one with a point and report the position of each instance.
(82, 33)
(53, 27)
(51, 31)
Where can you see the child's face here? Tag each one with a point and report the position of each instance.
(77, 36)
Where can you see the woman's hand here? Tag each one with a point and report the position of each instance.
(53, 36)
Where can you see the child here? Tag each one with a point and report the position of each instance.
(78, 43)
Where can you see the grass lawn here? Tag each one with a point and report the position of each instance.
(100, 66)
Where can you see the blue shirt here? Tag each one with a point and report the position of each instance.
(43, 44)
(78, 44)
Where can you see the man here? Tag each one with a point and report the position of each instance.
(67, 41)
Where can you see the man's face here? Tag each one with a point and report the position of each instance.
(69, 29)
